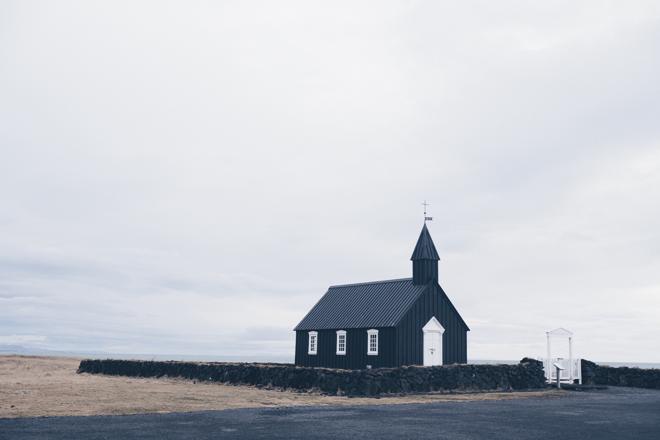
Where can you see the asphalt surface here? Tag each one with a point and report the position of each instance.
(617, 413)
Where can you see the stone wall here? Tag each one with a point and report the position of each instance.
(528, 374)
(594, 374)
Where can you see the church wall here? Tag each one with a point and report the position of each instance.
(356, 349)
(410, 339)
(398, 346)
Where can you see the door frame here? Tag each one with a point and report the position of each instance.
(431, 329)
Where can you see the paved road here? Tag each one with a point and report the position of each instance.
(618, 413)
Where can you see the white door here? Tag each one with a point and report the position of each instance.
(433, 342)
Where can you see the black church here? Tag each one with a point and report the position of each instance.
(408, 321)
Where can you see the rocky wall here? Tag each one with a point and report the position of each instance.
(594, 374)
(528, 374)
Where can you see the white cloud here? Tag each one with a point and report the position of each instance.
(174, 175)
(21, 339)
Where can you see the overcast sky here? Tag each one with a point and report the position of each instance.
(189, 177)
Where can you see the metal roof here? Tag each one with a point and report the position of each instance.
(425, 249)
(364, 305)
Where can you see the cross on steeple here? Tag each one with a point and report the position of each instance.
(426, 218)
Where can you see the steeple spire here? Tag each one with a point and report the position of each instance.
(425, 249)
(425, 259)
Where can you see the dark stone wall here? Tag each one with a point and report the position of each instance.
(526, 375)
(594, 374)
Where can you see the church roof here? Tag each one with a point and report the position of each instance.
(364, 305)
(425, 249)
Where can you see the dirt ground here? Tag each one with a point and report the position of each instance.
(32, 386)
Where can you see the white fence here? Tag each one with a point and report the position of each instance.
(572, 370)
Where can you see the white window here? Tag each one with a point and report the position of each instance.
(313, 343)
(341, 341)
(372, 342)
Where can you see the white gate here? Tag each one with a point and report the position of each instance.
(572, 368)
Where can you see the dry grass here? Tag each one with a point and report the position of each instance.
(33, 386)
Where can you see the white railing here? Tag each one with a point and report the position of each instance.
(572, 370)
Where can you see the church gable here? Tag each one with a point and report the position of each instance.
(433, 303)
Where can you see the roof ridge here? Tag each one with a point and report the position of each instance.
(371, 282)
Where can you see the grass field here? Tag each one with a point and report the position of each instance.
(32, 386)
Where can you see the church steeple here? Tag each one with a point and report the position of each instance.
(425, 259)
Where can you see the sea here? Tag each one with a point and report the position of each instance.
(284, 359)
(645, 365)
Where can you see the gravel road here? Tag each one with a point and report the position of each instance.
(617, 413)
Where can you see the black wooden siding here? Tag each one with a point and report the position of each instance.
(400, 345)
(410, 338)
(424, 271)
(356, 349)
